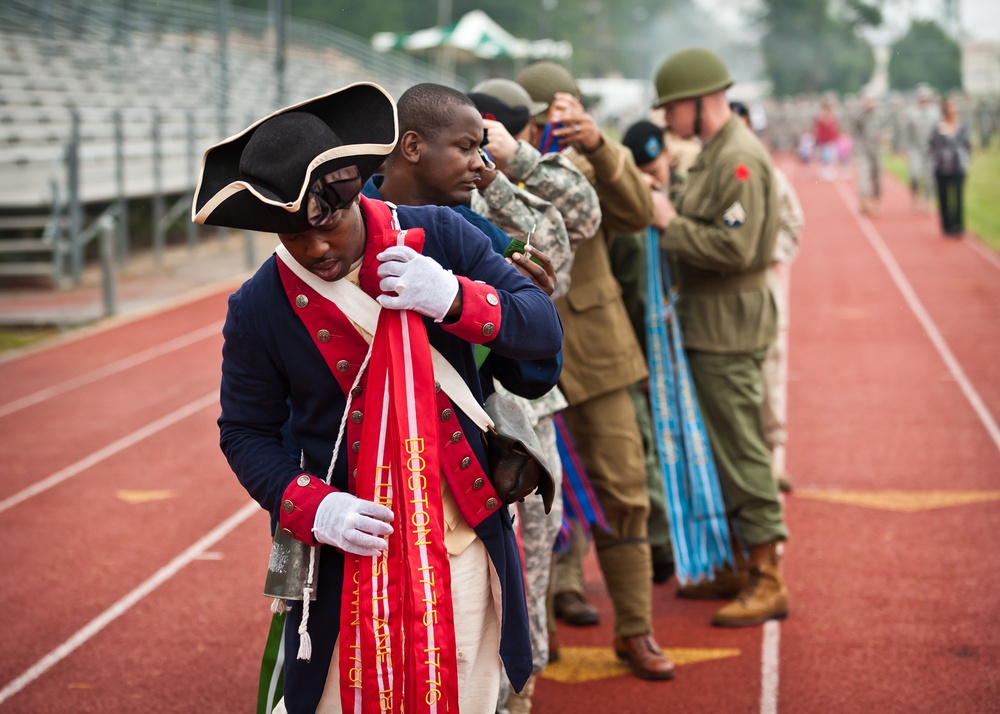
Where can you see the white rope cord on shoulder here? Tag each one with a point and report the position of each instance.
(305, 641)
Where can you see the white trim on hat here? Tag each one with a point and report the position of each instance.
(344, 151)
(339, 152)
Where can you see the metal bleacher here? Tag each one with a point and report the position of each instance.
(108, 102)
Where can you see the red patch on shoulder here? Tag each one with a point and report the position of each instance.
(742, 173)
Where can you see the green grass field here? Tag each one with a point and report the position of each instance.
(982, 190)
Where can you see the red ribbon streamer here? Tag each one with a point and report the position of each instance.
(397, 632)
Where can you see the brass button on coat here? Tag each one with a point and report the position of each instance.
(357, 417)
(302, 480)
(478, 484)
(466, 462)
(287, 506)
(323, 335)
(356, 392)
(301, 301)
(492, 299)
(446, 415)
(356, 447)
(488, 328)
(343, 365)
(491, 503)
(456, 437)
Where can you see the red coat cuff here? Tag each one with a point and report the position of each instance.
(299, 504)
(479, 322)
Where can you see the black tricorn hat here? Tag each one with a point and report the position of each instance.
(285, 172)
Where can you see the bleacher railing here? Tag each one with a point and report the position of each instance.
(181, 74)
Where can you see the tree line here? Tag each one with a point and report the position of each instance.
(808, 46)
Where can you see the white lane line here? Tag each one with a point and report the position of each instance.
(924, 318)
(769, 667)
(110, 450)
(123, 605)
(112, 369)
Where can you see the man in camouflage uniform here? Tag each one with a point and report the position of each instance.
(920, 122)
(867, 131)
(601, 358)
(551, 177)
(722, 237)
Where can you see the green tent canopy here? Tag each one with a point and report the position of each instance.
(475, 36)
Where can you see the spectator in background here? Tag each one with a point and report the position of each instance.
(805, 149)
(950, 150)
(774, 371)
(826, 132)
(867, 135)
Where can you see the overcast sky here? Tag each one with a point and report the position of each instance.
(980, 19)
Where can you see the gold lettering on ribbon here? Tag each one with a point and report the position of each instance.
(356, 599)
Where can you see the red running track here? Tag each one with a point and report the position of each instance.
(133, 583)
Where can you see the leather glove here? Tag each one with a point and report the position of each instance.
(352, 524)
(419, 282)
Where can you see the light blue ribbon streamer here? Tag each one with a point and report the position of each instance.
(698, 526)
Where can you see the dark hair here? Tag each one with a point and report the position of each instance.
(740, 109)
(427, 108)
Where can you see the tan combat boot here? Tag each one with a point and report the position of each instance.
(764, 598)
(727, 583)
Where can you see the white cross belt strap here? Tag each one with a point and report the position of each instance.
(363, 309)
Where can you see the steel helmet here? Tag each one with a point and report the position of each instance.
(690, 73)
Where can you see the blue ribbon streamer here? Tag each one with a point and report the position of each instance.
(579, 500)
(698, 526)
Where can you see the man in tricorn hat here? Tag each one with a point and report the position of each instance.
(723, 237)
(295, 370)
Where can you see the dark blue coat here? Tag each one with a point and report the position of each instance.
(273, 376)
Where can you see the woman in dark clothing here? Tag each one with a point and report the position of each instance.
(950, 156)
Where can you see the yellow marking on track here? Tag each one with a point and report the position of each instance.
(587, 664)
(137, 497)
(902, 501)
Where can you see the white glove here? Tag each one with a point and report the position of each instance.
(352, 524)
(419, 282)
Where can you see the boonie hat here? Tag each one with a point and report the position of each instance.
(510, 93)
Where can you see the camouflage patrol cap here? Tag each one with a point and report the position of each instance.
(693, 72)
(510, 93)
(544, 79)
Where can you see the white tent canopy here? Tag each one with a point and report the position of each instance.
(478, 36)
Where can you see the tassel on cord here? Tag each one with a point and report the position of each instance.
(278, 606)
(305, 641)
